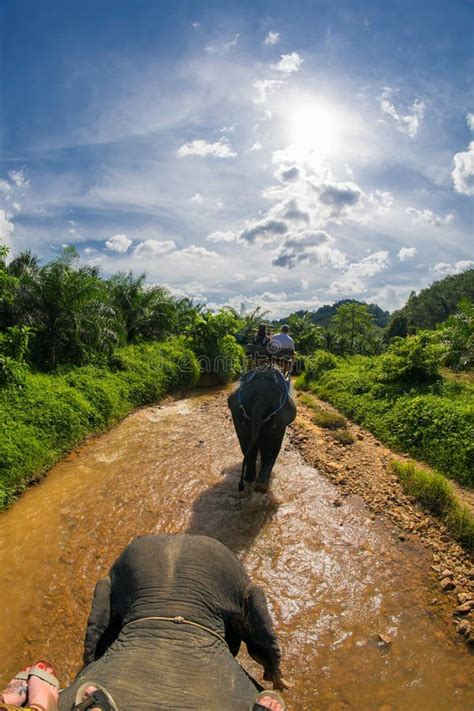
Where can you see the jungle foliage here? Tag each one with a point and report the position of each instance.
(403, 399)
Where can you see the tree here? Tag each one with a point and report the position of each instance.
(353, 325)
(249, 321)
(69, 308)
(307, 336)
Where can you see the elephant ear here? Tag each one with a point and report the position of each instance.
(98, 622)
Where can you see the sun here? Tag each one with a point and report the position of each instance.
(314, 130)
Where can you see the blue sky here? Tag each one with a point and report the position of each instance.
(266, 153)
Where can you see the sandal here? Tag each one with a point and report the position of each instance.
(273, 695)
(41, 673)
(99, 699)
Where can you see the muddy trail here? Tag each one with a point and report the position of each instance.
(352, 604)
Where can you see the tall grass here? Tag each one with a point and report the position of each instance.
(435, 493)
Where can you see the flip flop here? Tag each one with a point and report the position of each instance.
(99, 699)
(273, 695)
(37, 670)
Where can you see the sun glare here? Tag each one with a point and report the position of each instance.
(314, 130)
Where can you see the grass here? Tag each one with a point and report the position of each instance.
(50, 414)
(432, 421)
(327, 419)
(435, 493)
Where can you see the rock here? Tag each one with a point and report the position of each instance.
(372, 516)
(463, 627)
(471, 575)
(384, 638)
(447, 584)
(337, 503)
(402, 536)
(447, 574)
(462, 597)
(463, 609)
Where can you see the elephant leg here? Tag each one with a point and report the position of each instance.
(270, 445)
(251, 466)
(259, 634)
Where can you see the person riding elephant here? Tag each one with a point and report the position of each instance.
(166, 625)
(262, 407)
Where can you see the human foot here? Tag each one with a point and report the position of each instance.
(92, 697)
(43, 687)
(269, 700)
(15, 692)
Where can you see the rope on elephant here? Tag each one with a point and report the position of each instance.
(179, 621)
(277, 377)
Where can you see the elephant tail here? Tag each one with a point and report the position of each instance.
(257, 418)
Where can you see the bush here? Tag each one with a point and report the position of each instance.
(328, 420)
(51, 414)
(433, 421)
(318, 364)
(434, 492)
(409, 360)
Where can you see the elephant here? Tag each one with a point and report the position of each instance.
(166, 625)
(262, 407)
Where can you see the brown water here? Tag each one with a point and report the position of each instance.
(334, 579)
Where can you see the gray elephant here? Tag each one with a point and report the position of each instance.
(166, 625)
(262, 407)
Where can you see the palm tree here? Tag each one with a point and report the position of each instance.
(308, 337)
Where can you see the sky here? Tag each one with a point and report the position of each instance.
(273, 154)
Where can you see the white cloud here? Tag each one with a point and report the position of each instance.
(89, 250)
(257, 146)
(227, 129)
(388, 298)
(223, 47)
(443, 268)
(197, 199)
(430, 217)
(470, 121)
(406, 253)
(265, 88)
(351, 282)
(195, 251)
(221, 236)
(5, 187)
(304, 283)
(463, 172)
(196, 25)
(16, 206)
(272, 38)
(289, 63)
(154, 248)
(202, 148)
(118, 243)
(271, 279)
(19, 178)
(6, 228)
(408, 123)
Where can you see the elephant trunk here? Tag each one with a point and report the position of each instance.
(257, 417)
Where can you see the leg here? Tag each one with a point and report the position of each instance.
(271, 441)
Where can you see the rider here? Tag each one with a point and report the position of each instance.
(282, 343)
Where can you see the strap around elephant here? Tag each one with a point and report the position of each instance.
(179, 621)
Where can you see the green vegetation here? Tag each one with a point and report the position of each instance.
(403, 400)
(435, 493)
(432, 305)
(78, 352)
(51, 413)
(326, 419)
